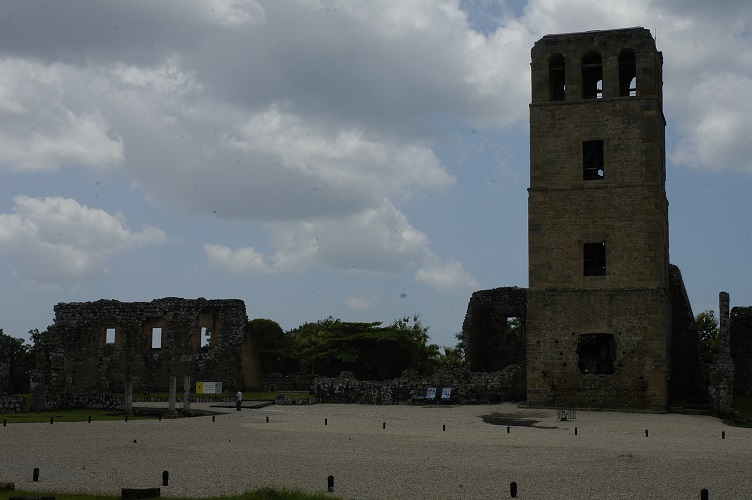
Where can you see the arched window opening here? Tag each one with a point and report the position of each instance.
(627, 73)
(592, 76)
(556, 77)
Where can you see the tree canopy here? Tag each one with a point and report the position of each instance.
(20, 358)
(707, 335)
(328, 347)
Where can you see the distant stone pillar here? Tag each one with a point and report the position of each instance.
(187, 395)
(721, 371)
(128, 397)
(173, 383)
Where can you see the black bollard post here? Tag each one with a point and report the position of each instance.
(383, 426)
(89, 418)
(513, 489)
(326, 421)
(704, 494)
(35, 474)
(165, 478)
(443, 427)
(213, 418)
(330, 484)
(126, 418)
(160, 418)
(507, 430)
(5, 421)
(52, 419)
(267, 420)
(575, 431)
(646, 433)
(723, 435)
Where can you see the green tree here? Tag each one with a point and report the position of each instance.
(276, 348)
(369, 350)
(708, 335)
(21, 360)
(453, 358)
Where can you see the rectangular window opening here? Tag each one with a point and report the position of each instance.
(156, 338)
(594, 259)
(109, 336)
(596, 353)
(592, 161)
(205, 337)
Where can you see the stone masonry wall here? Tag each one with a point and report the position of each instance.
(484, 331)
(741, 349)
(467, 387)
(721, 370)
(87, 361)
(620, 317)
(12, 404)
(686, 381)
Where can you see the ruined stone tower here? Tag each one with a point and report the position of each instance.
(599, 311)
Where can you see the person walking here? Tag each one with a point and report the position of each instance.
(239, 400)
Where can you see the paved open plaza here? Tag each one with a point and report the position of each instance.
(384, 452)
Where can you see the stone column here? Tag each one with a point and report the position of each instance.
(187, 395)
(128, 397)
(173, 383)
(721, 372)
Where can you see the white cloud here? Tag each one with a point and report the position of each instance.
(362, 302)
(37, 130)
(167, 77)
(345, 160)
(378, 239)
(233, 12)
(58, 240)
(717, 136)
(446, 276)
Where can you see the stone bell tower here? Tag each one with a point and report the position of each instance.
(598, 314)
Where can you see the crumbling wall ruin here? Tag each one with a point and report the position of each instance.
(686, 381)
(721, 371)
(100, 345)
(488, 341)
(740, 330)
(410, 388)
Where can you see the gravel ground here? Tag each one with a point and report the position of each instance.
(390, 452)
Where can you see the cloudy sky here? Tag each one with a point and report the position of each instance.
(355, 158)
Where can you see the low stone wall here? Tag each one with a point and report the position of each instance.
(76, 399)
(12, 404)
(410, 388)
(276, 382)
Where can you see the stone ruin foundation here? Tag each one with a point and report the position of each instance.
(94, 349)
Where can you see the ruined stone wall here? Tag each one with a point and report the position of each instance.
(90, 362)
(484, 331)
(12, 404)
(721, 370)
(410, 388)
(293, 382)
(638, 377)
(741, 349)
(687, 381)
